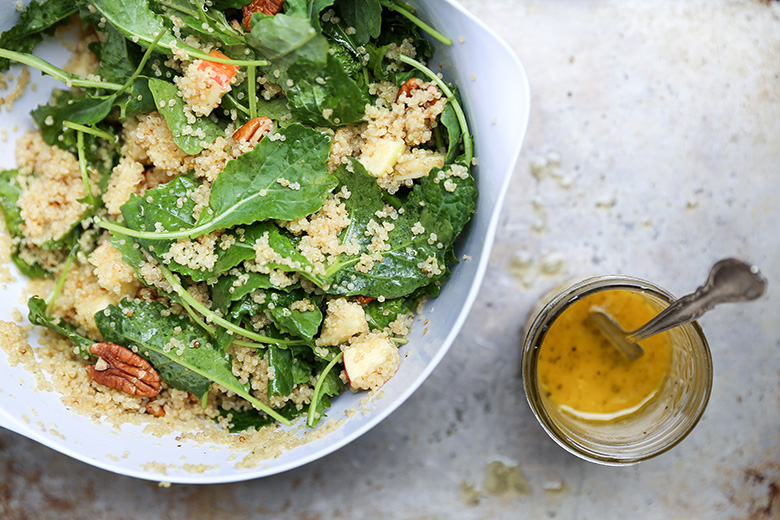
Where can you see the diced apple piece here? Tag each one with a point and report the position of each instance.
(220, 73)
(343, 320)
(370, 361)
(380, 156)
(204, 84)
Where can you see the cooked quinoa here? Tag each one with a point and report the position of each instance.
(260, 267)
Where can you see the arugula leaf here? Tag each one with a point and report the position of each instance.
(187, 136)
(364, 15)
(37, 19)
(328, 384)
(38, 316)
(401, 270)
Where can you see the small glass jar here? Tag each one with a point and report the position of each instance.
(662, 423)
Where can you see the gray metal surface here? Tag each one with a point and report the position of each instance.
(653, 150)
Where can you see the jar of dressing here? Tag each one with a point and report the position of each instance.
(597, 404)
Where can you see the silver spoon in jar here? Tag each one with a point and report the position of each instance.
(730, 280)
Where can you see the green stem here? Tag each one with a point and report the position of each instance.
(416, 21)
(468, 143)
(55, 72)
(194, 316)
(195, 304)
(400, 341)
(92, 131)
(141, 65)
(235, 103)
(252, 91)
(61, 280)
(318, 390)
(83, 164)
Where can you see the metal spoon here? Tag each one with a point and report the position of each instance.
(730, 280)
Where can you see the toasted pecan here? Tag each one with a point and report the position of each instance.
(254, 130)
(121, 368)
(270, 7)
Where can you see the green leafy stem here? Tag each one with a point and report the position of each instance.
(467, 140)
(311, 418)
(416, 21)
(72, 80)
(196, 305)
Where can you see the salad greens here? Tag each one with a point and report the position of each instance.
(223, 256)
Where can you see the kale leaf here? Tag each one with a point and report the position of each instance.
(364, 15)
(320, 91)
(284, 177)
(416, 245)
(177, 348)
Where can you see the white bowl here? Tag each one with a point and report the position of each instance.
(495, 93)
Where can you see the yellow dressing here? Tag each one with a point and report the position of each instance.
(583, 374)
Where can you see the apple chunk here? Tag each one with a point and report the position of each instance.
(370, 361)
(379, 157)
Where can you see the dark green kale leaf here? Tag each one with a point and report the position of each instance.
(315, 83)
(190, 137)
(381, 314)
(39, 18)
(177, 348)
(456, 206)
(231, 287)
(251, 187)
(417, 243)
(364, 15)
(303, 324)
(325, 96)
(38, 316)
(308, 8)
(290, 368)
(208, 25)
(298, 323)
(119, 57)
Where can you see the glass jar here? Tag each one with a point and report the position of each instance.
(662, 423)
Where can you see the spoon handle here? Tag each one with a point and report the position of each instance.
(730, 280)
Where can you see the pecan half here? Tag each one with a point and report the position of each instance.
(261, 6)
(120, 368)
(254, 130)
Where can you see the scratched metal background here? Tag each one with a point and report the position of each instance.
(653, 150)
